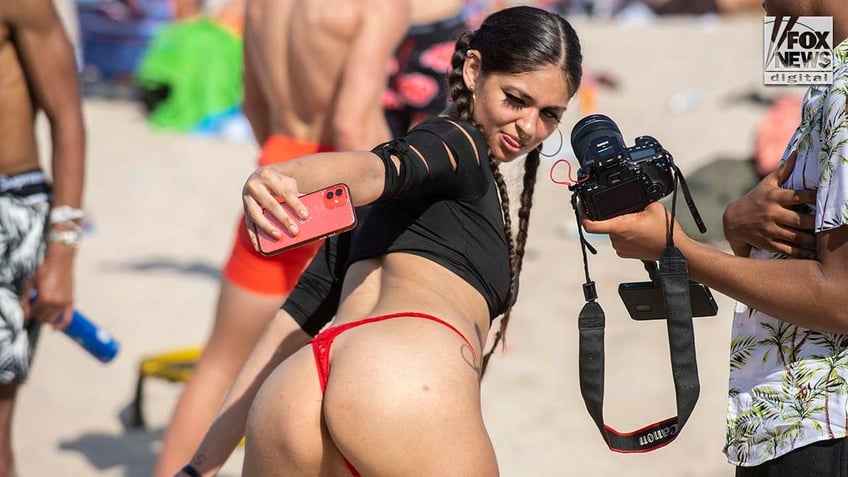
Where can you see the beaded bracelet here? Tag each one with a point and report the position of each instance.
(72, 237)
(65, 213)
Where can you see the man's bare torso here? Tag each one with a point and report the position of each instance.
(299, 50)
(18, 150)
(429, 11)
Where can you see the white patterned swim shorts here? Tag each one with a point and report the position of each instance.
(24, 208)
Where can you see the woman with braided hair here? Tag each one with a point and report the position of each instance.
(430, 266)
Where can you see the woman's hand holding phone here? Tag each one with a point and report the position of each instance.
(266, 189)
(330, 212)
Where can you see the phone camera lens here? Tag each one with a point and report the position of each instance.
(329, 195)
(338, 192)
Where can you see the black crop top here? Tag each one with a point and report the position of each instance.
(447, 212)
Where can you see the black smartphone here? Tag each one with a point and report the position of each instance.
(644, 300)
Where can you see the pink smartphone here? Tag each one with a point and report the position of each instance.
(330, 212)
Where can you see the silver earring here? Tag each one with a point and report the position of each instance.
(558, 149)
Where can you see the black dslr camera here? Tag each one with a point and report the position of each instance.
(614, 179)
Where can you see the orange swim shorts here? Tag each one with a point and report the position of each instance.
(275, 275)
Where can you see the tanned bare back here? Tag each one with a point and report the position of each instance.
(315, 71)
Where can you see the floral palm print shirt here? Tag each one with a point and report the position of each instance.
(789, 384)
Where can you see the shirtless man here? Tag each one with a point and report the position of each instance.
(314, 76)
(36, 72)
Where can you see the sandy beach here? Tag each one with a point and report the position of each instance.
(163, 208)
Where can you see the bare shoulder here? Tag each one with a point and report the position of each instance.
(388, 18)
(387, 9)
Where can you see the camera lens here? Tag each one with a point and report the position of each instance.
(338, 192)
(329, 195)
(589, 131)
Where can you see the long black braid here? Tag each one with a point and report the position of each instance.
(515, 40)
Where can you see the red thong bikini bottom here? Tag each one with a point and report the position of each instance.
(323, 341)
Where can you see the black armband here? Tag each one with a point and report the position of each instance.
(439, 157)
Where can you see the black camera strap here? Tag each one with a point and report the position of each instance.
(674, 278)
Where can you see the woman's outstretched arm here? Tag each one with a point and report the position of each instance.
(265, 188)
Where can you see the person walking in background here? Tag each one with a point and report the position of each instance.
(420, 293)
(314, 76)
(39, 221)
(788, 396)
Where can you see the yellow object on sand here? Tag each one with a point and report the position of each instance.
(174, 366)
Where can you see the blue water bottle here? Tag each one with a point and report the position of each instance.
(96, 341)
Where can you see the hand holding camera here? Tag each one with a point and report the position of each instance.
(641, 235)
(617, 188)
(614, 179)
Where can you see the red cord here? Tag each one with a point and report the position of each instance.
(571, 181)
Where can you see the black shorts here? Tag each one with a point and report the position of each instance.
(820, 459)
